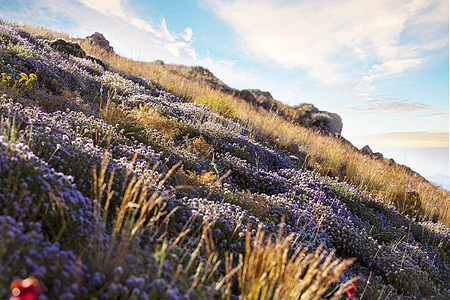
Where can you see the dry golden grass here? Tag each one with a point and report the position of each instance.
(144, 115)
(328, 155)
(204, 149)
(43, 31)
(190, 178)
(175, 83)
(270, 271)
(113, 113)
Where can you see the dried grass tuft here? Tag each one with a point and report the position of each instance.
(271, 271)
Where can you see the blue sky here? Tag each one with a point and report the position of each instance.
(382, 65)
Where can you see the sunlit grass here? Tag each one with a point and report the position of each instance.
(271, 270)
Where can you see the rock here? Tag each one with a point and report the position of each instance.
(313, 110)
(68, 47)
(74, 49)
(377, 155)
(97, 60)
(335, 125)
(366, 150)
(263, 98)
(266, 104)
(348, 143)
(391, 162)
(97, 39)
(247, 96)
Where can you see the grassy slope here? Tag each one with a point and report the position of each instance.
(64, 130)
(330, 156)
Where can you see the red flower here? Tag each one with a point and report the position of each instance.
(351, 289)
(27, 289)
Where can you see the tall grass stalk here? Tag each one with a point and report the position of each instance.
(137, 210)
(271, 270)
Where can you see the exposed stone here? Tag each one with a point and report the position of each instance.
(377, 155)
(68, 47)
(391, 162)
(366, 150)
(247, 96)
(335, 125)
(266, 104)
(97, 39)
(74, 49)
(262, 98)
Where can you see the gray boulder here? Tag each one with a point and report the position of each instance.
(97, 39)
(375, 155)
(68, 47)
(335, 124)
(366, 150)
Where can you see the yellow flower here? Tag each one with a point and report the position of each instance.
(24, 76)
(33, 76)
(4, 75)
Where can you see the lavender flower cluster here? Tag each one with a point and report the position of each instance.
(50, 222)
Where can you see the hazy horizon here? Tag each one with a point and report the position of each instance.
(428, 162)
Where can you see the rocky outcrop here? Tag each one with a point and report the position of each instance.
(72, 48)
(196, 73)
(264, 99)
(389, 161)
(368, 152)
(247, 96)
(68, 47)
(304, 114)
(97, 39)
(336, 125)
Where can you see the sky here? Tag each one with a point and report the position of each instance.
(382, 65)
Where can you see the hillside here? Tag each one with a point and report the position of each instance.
(305, 114)
(121, 181)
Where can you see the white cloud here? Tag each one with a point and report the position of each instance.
(393, 66)
(176, 47)
(161, 36)
(339, 42)
(393, 107)
(231, 73)
(117, 9)
(111, 8)
(388, 105)
(187, 36)
(128, 33)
